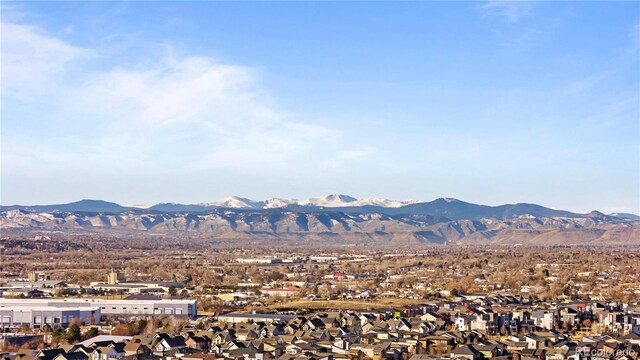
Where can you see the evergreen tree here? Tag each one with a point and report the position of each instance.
(73, 333)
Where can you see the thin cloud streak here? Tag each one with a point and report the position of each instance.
(511, 11)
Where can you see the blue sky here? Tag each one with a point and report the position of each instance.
(489, 102)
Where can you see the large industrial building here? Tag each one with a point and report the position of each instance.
(259, 260)
(36, 316)
(99, 307)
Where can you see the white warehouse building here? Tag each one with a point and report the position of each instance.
(172, 307)
(38, 316)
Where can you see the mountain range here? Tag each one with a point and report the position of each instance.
(447, 207)
(336, 218)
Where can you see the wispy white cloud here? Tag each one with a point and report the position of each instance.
(186, 113)
(30, 58)
(507, 22)
(587, 83)
(512, 11)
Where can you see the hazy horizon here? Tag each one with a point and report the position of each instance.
(486, 102)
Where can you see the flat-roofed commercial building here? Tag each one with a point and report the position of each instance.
(139, 287)
(37, 316)
(259, 260)
(172, 307)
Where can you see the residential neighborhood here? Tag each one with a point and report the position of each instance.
(491, 327)
(204, 303)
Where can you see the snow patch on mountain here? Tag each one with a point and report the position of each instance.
(275, 203)
(139, 206)
(348, 201)
(333, 200)
(236, 202)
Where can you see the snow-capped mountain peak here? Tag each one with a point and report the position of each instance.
(338, 200)
(385, 202)
(236, 202)
(447, 200)
(275, 203)
(333, 200)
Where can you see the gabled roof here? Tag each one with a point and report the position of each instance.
(105, 349)
(199, 339)
(316, 323)
(73, 356)
(174, 342)
(119, 347)
(103, 340)
(49, 354)
(134, 346)
(465, 350)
